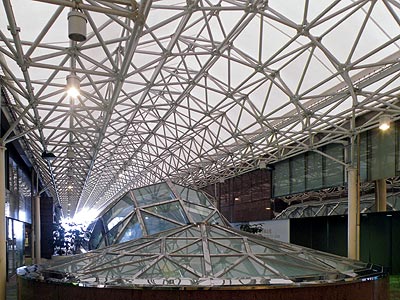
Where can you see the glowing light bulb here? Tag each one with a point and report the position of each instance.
(73, 85)
(73, 92)
(384, 122)
(384, 126)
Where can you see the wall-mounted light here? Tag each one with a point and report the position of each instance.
(237, 199)
(77, 26)
(73, 85)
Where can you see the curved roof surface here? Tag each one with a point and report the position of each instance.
(190, 90)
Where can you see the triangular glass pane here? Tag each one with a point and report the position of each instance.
(155, 225)
(171, 210)
(122, 271)
(215, 232)
(167, 233)
(174, 244)
(260, 249)
(248, 268)
(222, 262)
(235, 244)
(338, 264)
(129, 270)
(166, 269)
(132, 231)
(216, 219)
(118, 212)
(74, 266)
(284, 268)
(118, 261)
(97, 234)
(198, 213)
(153, 194)
(124, 259)
(132, 245)
(192, 195)
(102, 259)
(196, 248)
(195, 263)
(102, 243)
(219, 249)
(114, 232)
(154, 248)
(191, 232)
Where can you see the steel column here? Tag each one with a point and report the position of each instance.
(353, 227)
(37, 230)
(3, 265)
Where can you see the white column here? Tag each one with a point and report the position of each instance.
(380, 194)
(37, 230)
(3, 266)
(353, 227)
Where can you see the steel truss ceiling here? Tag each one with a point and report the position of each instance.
(195, 91)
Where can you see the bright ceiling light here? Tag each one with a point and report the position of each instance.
(73, 85)
(384, 122)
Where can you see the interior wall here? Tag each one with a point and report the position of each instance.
(244, 198)
(46, 226)
(379, 237)
(328, 234)
(378, 154)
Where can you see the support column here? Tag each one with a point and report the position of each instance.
(33, 238)
(3, 265)
(353, 226)
(37, 230)
(380, 194)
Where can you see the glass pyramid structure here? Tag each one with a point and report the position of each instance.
(204, 255)
(151, 209)
(186, 243)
